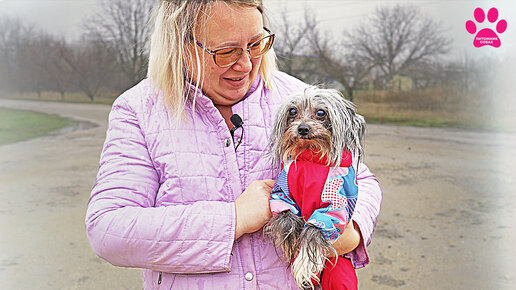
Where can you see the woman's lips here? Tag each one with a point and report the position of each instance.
(236, 82)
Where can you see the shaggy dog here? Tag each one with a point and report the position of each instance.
(317, 144)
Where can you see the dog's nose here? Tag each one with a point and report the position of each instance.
(303, 130)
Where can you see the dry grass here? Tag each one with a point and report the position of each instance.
(106, 98)
(436, 107)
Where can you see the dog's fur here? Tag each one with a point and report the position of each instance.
(322, 121)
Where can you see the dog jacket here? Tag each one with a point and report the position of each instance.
(324, 196)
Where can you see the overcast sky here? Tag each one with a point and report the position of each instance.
(65, 16)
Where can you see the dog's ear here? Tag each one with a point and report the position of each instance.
(351, 124)
(357, 128)
(278, 129)
(360, 127)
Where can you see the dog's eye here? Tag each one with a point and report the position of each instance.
(320, 113)
(292, 112)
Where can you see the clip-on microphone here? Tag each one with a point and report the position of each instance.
(237, 123)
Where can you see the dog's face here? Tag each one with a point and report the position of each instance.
(307, 127)
(320, 120)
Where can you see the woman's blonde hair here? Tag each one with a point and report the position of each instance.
(174, 24)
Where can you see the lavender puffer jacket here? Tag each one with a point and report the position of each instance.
(164, 196)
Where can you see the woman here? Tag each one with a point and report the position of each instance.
(172, 194)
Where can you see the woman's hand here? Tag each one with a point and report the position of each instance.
(252, 207)
(348, 240)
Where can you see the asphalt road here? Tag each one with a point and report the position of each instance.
(447, 220)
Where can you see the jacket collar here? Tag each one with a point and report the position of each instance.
(316, 157)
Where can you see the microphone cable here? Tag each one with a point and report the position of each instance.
(237, 123)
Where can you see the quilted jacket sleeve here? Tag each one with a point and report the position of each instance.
(366, 213)
(125, 229)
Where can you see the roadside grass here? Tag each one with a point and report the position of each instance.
(413, 121)
(104, 99)
(443, 107)
(18, 125)
(391, 113)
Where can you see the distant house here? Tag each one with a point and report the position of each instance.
(400, 82)
(307, 68)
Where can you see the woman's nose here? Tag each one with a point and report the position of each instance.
(244, 64)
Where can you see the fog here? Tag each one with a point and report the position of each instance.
(65, 17)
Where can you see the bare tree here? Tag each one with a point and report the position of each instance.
(50, 69)
(122, 28)
(5, 51)
(396, 38)
(91, 65)
(14, 38)
(293, 44)
(309, 53)
(339, 64)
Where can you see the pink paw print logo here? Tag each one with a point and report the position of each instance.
(486, 36)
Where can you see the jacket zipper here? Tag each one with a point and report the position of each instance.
(160, 276)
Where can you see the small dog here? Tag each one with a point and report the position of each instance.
(317, 142)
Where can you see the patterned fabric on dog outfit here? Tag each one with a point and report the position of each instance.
(324, 196)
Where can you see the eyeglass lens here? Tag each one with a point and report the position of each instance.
(230, 55)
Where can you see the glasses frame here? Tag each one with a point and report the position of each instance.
(248, 49)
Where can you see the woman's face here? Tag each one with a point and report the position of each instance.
(229, 25)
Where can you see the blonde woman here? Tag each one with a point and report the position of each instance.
(182, 192)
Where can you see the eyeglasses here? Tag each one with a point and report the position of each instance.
(228, 56)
